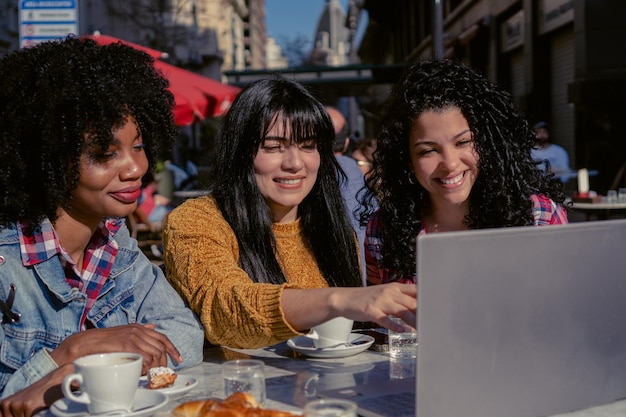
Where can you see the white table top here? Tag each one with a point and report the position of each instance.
(292, 379)
(602, 205)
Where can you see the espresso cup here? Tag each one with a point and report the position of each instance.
(333, 333)
(107, 381)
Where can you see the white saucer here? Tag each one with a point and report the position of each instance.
(146, 402)
(182, 384)
(304, 345)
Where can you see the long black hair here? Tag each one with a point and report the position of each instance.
(502, 138)
(55, 95)
(326, 229)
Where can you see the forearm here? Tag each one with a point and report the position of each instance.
(305, 308)
(310, 307)
(38, 366)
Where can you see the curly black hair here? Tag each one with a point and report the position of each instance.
(503, 141)
(56, 94)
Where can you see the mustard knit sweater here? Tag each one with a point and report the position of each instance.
(201, 258)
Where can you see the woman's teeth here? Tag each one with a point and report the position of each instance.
(291, 182)
(452, 180)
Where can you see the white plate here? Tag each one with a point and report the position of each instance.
(304, 345)
(182, 384)
(146, 403)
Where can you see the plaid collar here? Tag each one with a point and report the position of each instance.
(43, 243)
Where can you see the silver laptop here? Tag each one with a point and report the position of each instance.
(514, 322)
(521, 322)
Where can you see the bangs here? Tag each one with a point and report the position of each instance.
(298, 127)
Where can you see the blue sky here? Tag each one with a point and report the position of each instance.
(293, 17)
(287, 20)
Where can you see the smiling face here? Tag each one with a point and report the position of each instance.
(110, 182)
(443, 157)
(285, 171)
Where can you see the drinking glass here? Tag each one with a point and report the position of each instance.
(621, 195)
(403, 344)
(244, 375)
(401, 368)
(611, 196)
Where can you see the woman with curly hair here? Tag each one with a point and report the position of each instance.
(271, 252)
(79, 124)
(453, 154)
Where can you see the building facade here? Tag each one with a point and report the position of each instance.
(332, 37)
(206, 36)
(564, 61)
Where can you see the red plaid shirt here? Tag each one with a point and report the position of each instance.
(545, 212)
(43, 244)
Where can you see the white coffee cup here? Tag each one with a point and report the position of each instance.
(332, 333)
(107, 381)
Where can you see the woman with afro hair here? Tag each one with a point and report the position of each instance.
(453, 154)
(79, 124)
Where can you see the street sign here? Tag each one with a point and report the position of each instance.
(44, 20)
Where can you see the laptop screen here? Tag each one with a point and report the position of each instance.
(521, 322)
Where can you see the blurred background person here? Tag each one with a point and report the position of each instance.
(363, 154)
(353, 182)
(555, 155)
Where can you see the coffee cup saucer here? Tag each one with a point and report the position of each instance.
(146, 403)
(357, 343)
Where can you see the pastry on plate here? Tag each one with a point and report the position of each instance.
(161, 377)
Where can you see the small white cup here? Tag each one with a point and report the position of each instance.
(332, 333)
(404, 344)
(107, 381)
(330, 407)
(244, 375)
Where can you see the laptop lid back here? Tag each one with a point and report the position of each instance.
(521, 322)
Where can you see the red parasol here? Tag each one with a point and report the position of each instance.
(196, 96)
(212, 97)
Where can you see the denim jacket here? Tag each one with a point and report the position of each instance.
(50, 309)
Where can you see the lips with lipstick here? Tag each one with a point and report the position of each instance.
(128, 195)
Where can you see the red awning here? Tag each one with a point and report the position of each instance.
(212, 97)
(196, 97)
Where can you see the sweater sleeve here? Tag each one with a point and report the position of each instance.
(201, 258)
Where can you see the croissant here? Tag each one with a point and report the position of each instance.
(239, 404)
(197, 408)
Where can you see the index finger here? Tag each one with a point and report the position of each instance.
(164, 341)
